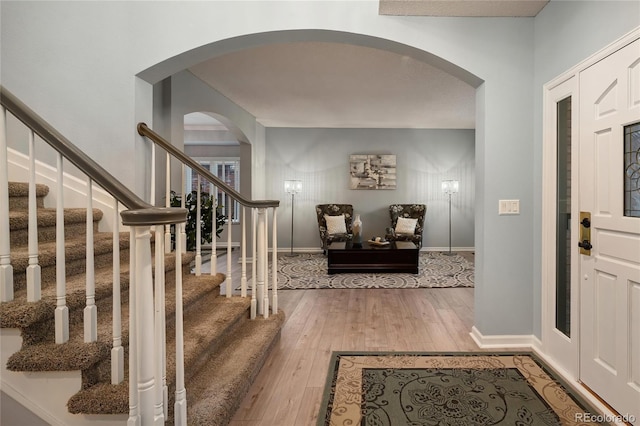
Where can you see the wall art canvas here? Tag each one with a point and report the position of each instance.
(372, 171)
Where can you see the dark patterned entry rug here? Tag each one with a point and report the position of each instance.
(309, 271)
(393, 389)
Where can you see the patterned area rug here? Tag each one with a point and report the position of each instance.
(309, 270)
(388, 389)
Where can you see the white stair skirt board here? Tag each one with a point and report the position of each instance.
(75, 189)
(45, 393)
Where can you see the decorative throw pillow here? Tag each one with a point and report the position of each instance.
(406, 225)
(335, 224)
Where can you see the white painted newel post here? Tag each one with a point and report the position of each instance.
(160, 409)
(6, 270)
(145, 321)
(180, 405)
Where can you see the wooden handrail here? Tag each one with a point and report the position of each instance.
(144, 130)
(139, 213)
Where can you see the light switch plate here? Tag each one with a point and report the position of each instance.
(508, 207)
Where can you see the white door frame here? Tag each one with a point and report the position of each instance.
(567, 365)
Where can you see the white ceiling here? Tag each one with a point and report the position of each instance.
(334, 85)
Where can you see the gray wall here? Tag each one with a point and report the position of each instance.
(320, 158)
(53, 57)
(566, 33)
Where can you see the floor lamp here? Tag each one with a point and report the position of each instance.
(292, 187)
(450, 187)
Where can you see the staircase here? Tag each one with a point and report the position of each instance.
(223, 349)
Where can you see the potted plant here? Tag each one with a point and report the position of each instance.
(207, 206)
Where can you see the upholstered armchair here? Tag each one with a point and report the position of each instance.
(407, 222)
(335, 230)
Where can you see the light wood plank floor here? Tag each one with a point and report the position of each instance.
(288, 390)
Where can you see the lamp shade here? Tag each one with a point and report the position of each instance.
(450, 186)
(292, 186)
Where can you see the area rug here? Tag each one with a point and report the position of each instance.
(391, 389)
(309, 271)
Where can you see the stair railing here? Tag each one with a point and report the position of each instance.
(260, 304)
(147, 382)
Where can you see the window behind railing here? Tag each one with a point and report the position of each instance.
(225, 168)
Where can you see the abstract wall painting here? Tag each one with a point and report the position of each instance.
(372, 171)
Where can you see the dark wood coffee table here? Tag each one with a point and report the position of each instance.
(400, 256)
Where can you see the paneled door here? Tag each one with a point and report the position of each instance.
(609, 191)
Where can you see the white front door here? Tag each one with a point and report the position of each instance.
(609, 104)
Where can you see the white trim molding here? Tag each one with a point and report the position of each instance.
(504, 341)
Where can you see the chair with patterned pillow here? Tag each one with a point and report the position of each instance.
(334, 223)
(407, 222)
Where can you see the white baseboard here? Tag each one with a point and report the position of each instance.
(524, 341)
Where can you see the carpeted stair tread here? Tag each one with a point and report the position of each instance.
(20, 314)
(217, 389)
(70, 356)
(75, 249)
(75, 225)
(47, 217)
(19, 195)
(209, 323)
(21, 189)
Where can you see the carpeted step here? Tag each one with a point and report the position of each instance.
(218, 388)
(75, 225)
(94, 358)
(75, 257)
(35, 319)
(19, 195)
(207, 324)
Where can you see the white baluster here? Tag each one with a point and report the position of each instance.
(152, 198)
(145, 316)
(117, 351)
(198, 231)
(34, 276)
(260, 267)
(214, 227)
(229, 280)
(6, 270)
(134, 407)
(62, 311)
(183, 203)
(180, 406)
(167, 203)
(90, 310)
(265, 294)
(160, 333)
(243, 277)
(253, 263)
(274, 265)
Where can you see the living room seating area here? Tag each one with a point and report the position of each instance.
(335, 223)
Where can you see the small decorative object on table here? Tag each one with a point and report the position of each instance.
(357, 231)
(378, 241)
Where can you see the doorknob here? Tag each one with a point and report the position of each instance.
(586, 245)
(585, 233)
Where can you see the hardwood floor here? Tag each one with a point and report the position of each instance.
(288, 390)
